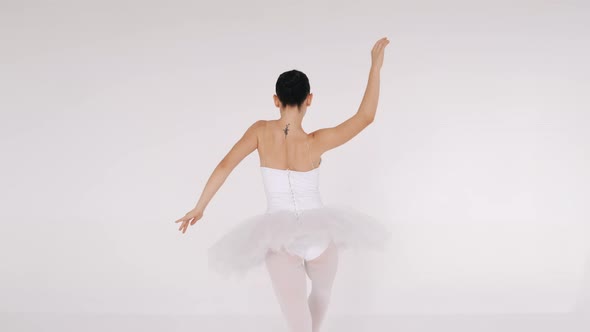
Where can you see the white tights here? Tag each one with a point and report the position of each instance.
(288, 275)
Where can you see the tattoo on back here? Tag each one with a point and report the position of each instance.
(286, 130)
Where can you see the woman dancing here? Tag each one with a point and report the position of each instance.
(298, 236)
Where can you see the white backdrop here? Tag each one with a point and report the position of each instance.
(114, 113)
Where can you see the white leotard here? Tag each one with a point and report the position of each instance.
(295, 191)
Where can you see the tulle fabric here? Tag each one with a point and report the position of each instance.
(246, 245)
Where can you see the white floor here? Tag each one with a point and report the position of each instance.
(17, 322)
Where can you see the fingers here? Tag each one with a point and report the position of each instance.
(184, 226)
(183, 219)
(380, 44)
(188, 220)
(185, 223)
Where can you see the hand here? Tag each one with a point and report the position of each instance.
(191, 218)
(377, 53)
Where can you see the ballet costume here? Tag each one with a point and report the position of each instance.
(296, 221)
(297, 237)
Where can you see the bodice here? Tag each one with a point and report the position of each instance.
(291, 190)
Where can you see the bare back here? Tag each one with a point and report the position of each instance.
(291, 150)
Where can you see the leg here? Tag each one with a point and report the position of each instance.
(321, 271)
(289, 282)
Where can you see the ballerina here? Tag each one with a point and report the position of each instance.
(298, 235)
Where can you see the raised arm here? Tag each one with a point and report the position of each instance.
(328, 138)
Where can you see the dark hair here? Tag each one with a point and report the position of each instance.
(292, 88)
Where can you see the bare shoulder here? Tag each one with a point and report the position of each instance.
(260, 123)
(257, 129)
(257, 125)
(314, 138)
(253, 131)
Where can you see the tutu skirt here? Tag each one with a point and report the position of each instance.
(246, 245)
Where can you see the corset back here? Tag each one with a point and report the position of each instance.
(291, 190)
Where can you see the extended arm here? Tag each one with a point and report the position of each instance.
(329, 138)
(247, 143)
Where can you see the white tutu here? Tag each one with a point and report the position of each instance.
(295, 214)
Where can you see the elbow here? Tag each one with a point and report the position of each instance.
(369, 119)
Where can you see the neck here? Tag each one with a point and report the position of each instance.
(292, 116)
